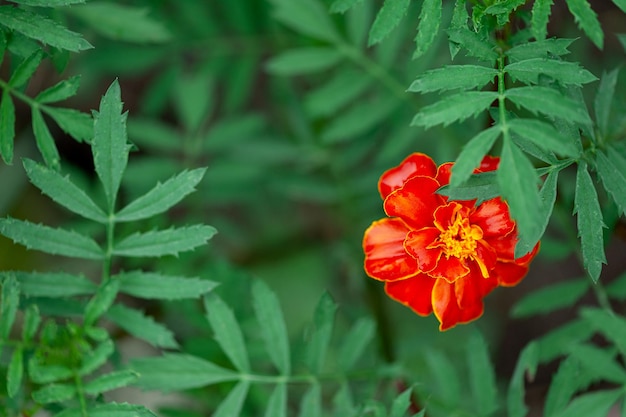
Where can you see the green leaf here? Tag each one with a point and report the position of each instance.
(540, 18)
(529, 71)
(617, 288)
(110, 409)
(387, 19)
(271, 325)
(10, 299)
(63, 191)
(155, 286)
(457, 107)
(587, 20)
(60, 91)
(7, 126)
(44, 374)
(306, 60)
(428, 26)
(481, 187)
(96, 358)
(110, 150)
(232, 404)
(401, 403)
(595, 404)
(178, 372)
(32, 319)
(540, 49)
(47, 3)
(458, 22)
(551, 298)
(482, 376)
(141, 326)
(321, 333)
(565, 383)
(26, 69)
(557, 342)
(548, 101)
(518, 183)
(340, 90)
(472, 154)
(226, 331)
(54, 393)
(51, 284)
(153, 134)
(444, 378)
(162, 197)
(164, 242)
(503, 9)
(590, 223)
(15, 373)
(121, 22)
(311, 402)
(604, 99)
(40, 28)
(451, 77)
(277, 403)
(355, 341)
(526, 363)
(612, 327)
(49, 240)
(73, 122)
(342, 6)
(474, 44)
(101, 301)
(45, 141)
(545, 136)
(308, 17)
(621, 4)
(600, 363)
(612, 176)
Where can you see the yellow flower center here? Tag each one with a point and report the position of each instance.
(459, 240)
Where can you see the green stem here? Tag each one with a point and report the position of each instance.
(501, 100)
(81, 395)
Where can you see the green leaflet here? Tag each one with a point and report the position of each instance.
(308, 17)
(599, 363)
(340, 90)
(322, 329)
(612, 327)
(612, 175)
(617, 288)
(63, 191)
(451, 77)
(551, 298)
(592, 404)
(568, 380)
(53, 284)
(311, 402)
(503, 9)
(544, 135)
(549, 102)
(526, 364)
(590, 223)
(162, 197)
(101, 301)
(458, 22)
(342, 6)
(15, 373)
(50, 240)
(40, 28)
(387, 19)
(621, 4)
(355, 341)
(540, 18)
(177, 372)
(478, 186)
(232, 404)
(539, 49)
(277, 403)
(45, 141)
(7, 126)
(457, 107)
(10, 298)
(193, 98)
(164, 242)
(153, 134)
(304, 61)
(60, 91)
(110, 381)
(604, 99)
(155, 286)
(587, 20)
(474, 45)
(272, 326)
(472, 154)
(141, 326)
(32, 320)
(481, 375)
(48, 3)
(26, 69)
(73, 122)
(444, 378)
(44, 374)
(529, 70)
(401, 404)
(111, 409)
(428, 26)
(54, 393)
(96, 358)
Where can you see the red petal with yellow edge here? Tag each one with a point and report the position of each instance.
(489, 163)
(485, 258)
(415, 202)
(413, 165)
(470, 290)
(385, 257)
(446, 306)
(504, 246)
(416, 244)
(493, 217)
(445, 215)
(450, 269)
(444, 172)
(509, 274)
(413, 292)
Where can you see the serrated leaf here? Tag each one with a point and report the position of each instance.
(428, 26)
(277, 403)
(164, 242)
(162, 197)
(604, 100)
(50, 284)
(590, 223)
(7, 126)
(481, 187)
(550, 298)
(10, 299)
(32, 319)
(617, 288)
(44, 374)
(600, 363)
(26, 69)
(54, 393)
(458, 22)
(193, 96)
(306, 60)
(48, 3)
(272, 326)
(153, 134)
(595, 404)
(355, 342)
(549, 102)
(612, 176)
(457, 107)
(342, 6)
(529, 71)
(526, 363)
(557, 342)
(226, 331)
(110, 409)
(451, 77)
(155, 286)
(540, 18)
(311, 402)
(63, 191)
(321, 333)
(472, 154)
(544, 135)
(50, 240)
(612, 327)
(60, 91)
(109, 147)
(101, 301)
(565, 383)
(232, 404)
(340, 90)
(38, 27)
(73, 122)
(308, 17)
(518, 181)
(177, 372)
(444, 377)
(503, 9)
(388, 17)
(141, 326)
(482, 376)
(401, 403)
(473, 44)
(15, 372)
(95, 358)
(45, 141)
(587, 20)
(539, 49)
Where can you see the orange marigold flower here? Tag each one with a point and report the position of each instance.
(439, 255)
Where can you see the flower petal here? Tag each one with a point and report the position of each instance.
(509, 274)
(414, 292)
(450, 269)
(447, 309)
(471, 289)
(385, 257)
(416, 244)
(444, 171)
(493, 217)
(489, 163)
(413, 165)
(485, 258)
(415, 202)
(445, 215)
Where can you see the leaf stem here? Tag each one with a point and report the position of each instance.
(501, 100)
